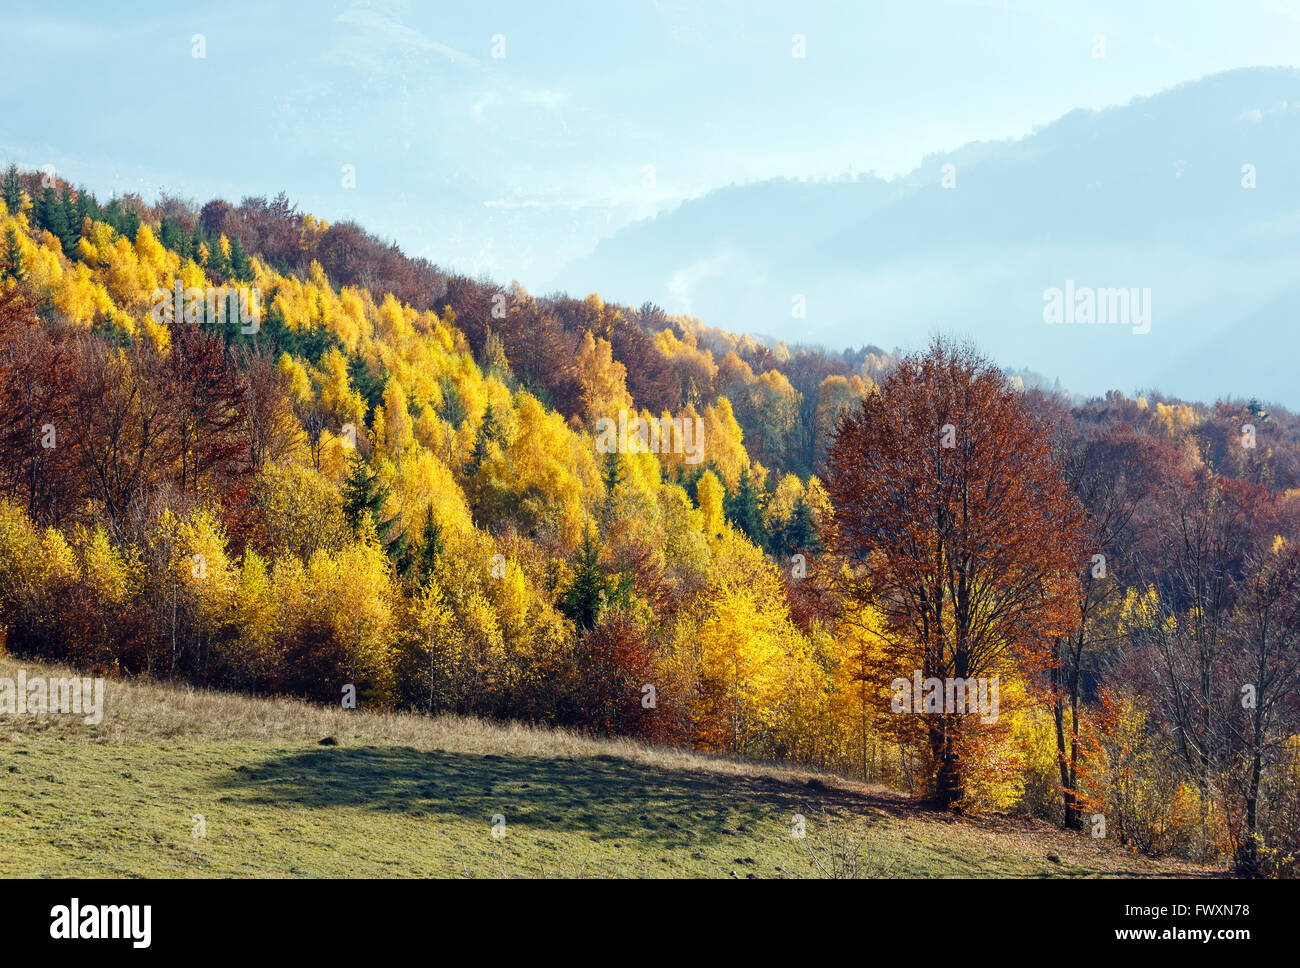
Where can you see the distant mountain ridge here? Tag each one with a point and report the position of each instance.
(1151, 195)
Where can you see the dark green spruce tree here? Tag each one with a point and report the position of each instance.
(11, 258)
(364, 497)
(11, 190)
(744, 510)
(241, 266)
(431, 547)
(799, 534)
(488, 431)
(584, 599)
(611, 473)
(71, 233)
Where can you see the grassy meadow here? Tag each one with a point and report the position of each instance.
(289, 789)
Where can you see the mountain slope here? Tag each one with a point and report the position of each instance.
(1149, 196)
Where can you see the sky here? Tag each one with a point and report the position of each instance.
(508, 138)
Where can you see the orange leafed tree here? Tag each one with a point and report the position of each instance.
(956, 523)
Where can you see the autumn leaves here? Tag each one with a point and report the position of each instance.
(954, 522)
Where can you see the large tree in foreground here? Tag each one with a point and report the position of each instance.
(957, 524)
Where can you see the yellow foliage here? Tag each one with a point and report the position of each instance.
(724, 442)
(1176, 419)
(603, 380)
(710, 493)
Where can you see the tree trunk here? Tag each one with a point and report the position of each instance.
(950, 780)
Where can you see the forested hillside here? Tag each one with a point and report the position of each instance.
(373, 478)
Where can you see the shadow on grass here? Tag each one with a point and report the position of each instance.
(606, 797)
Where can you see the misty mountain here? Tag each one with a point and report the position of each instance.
(1151, 196)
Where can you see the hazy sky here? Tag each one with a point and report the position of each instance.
(514, 165)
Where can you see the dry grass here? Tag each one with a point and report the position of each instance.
(141, 710)
(404, 794)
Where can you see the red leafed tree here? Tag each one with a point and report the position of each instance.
(119, 418)
(956, 522)
(37, 463)
(207, 398)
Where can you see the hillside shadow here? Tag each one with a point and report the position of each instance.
(607, 797)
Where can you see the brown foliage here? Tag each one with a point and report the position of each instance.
(953, 513)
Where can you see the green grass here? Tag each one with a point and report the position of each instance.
(409, 796)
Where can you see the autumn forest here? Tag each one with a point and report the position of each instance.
(250, 449)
